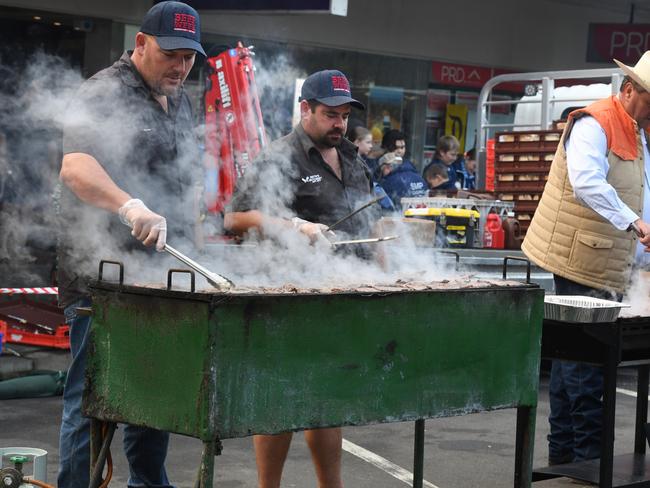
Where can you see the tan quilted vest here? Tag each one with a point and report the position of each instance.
(570, 240)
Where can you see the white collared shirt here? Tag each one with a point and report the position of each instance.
(587, 165)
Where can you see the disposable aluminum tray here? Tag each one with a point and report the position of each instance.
(582, 309)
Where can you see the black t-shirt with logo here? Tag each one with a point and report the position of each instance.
(291, 178)
(151, 154)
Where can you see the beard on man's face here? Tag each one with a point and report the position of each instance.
(168, 91)
(332, 138)
(157, 81)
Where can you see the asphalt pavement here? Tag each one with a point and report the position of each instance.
(475, 450)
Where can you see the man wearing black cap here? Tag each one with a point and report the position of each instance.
(128, 139)
(324, 174)
(324, 180)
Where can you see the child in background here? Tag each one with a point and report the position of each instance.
(362, 138)
(436, 175)
(466, 170)
(446, 153)
(396, 174)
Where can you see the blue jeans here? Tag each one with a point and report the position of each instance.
(145, 449)
(576, 419)
(576, 397)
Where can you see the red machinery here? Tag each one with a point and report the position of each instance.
(234, 132)
(29, 321)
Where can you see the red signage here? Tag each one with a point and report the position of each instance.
(460, 74)
(468, 76)
(625, 42)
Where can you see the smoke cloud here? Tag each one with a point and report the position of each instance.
(43, 98)
(285, 256)
(275, 79)
(39, 99)
(32, 97)
(638, 296)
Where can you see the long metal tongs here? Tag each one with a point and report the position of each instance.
(214, 279)
(365, 241)
(354, 212)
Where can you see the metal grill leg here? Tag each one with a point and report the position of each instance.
(418, 454)
(98, 467)
(95, 442)
(525, 440)
(641, 425)
(609, 416)
(206, 470)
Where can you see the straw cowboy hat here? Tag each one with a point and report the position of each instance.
(641, 71)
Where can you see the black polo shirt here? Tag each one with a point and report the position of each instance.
(149, 153)
(291, 178)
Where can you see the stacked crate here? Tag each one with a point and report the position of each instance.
(522, 162)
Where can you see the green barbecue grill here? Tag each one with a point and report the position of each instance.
(215, 365)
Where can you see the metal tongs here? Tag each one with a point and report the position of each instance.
(637, 230)
(214, 279)
(365, 241)
(353, 213)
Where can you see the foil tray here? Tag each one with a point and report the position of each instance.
(581, 309)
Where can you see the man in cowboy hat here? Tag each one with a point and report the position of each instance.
(590, 229)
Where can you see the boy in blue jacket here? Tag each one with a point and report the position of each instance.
(398, 176)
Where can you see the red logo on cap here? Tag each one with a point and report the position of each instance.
(185, 23)
(340, 83)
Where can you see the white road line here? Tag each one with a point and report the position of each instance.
(383, 464)
(627, 392)
(397, 471)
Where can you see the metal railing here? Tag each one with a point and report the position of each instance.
(547, 101)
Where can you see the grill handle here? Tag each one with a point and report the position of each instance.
(516, 258)
(118, 263)
(171, 272)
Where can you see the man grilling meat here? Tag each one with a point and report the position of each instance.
(129, 154)
(585, 232)
(317, 178)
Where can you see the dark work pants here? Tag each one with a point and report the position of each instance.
(576, 397)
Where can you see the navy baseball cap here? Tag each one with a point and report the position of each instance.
(175, 25)
(329, 87)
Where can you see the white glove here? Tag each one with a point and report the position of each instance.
(315, 232)
(148, 227)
